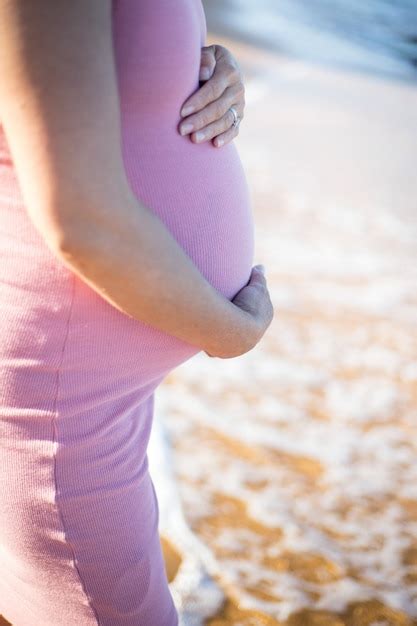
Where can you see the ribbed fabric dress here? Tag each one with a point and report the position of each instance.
(79, 541)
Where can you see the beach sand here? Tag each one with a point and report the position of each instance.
(296, 462)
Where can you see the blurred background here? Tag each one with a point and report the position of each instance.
(296, 463)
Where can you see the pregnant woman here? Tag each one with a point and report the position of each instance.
(125, 249)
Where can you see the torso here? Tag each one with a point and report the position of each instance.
(199, 192)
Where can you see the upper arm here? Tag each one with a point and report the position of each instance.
(59, 107)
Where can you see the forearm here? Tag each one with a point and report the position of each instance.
(130, 258)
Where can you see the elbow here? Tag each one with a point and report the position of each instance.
(75, 241)
(81, 225)
(65, 229)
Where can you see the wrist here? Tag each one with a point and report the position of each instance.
(233, 335)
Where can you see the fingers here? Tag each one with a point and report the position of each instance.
(258, 275)
(226, 137)
(221, 126)
(216, 118)
(207, 63)
(207, 110)
(214, 109)
(222, 77)
(258, 270)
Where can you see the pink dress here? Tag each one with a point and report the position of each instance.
(79, 541)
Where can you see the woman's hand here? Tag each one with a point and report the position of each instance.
(257, 313)
(211, 102)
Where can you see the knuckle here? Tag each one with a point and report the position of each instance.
(240, 91)
(220, 127)
(216, 89)
(233, 73)
(210, 114)
(238, 85)
(224, 127)
(224, 86)
(213, 113)
(208, 118)
(198, 121)
(219, 109)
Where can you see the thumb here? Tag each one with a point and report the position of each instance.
(207, 62)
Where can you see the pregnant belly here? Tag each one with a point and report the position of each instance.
(199, 191)
(201, 194)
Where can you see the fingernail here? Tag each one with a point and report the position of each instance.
(186, 128)
(204, 73)
(187, 110)
(199, 136)
(261, 267)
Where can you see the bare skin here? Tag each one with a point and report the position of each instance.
(211, 118)
(54, 55)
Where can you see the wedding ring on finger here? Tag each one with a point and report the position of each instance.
(236, 118)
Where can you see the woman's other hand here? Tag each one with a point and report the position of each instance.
(223, 88)
(257, 313)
